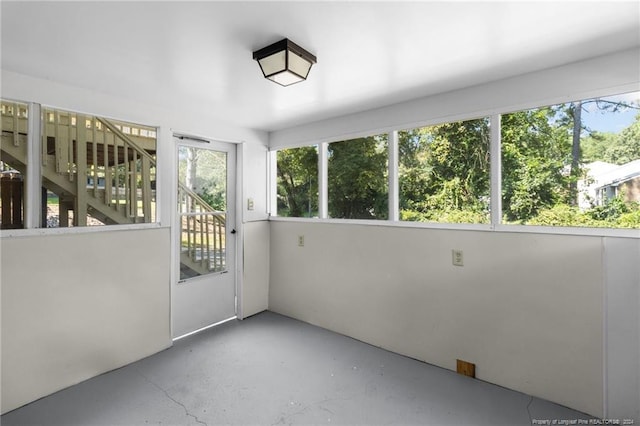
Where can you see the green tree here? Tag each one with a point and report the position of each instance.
(445, 169)
(414, 169)
(298, 181)
(358, 178)
(536, 154)
(626, 146)
(594, 147)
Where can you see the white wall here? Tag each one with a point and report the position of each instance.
(527, 309)
(252, 180)
(29, 89)
(78, 305)
(622, 327)
(554, 316)
(254, 254)
(254, 163)
(255, 296)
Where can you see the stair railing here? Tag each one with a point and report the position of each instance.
(94, 165)
(203, 231)
(140, 159)
(115, 170)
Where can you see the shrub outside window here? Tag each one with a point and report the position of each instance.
(444, 172)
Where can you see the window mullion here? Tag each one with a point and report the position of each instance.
(496, 171)
(272, 158)
(394, 188)
(33, 181)
(323, 180)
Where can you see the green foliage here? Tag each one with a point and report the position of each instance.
(215, 197)
(613, 148)
(536, 149)
(616, 213)
(298, 182)
(597, 147)
(358, 178)
(445, 216)
(204, 171)
(611, 210)
(444, 172)
(630, 220)
(627, 145)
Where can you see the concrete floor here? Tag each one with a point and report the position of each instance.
(272, 370)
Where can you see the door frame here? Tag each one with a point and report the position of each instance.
(172, 182)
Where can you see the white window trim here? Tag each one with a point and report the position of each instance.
(32, 192)
(495, 169)
(323, 180)
(394, 183)
(496, 224)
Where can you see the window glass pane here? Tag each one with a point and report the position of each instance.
(443, 172)
(202, 206)
(13, 164)
(298, 182)
(573, 164)
(358, 187)
(108, 179)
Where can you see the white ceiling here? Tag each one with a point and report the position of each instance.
(198, 55)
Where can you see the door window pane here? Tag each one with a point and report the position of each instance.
(202, 205)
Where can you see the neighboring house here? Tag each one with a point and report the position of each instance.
(605, 180)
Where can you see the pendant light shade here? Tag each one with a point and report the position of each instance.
(284, 62)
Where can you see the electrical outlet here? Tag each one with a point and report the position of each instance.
(300, 240)
(457, 257)
(249, 203)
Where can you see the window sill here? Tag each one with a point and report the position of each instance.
(9, 233)
(525, 229)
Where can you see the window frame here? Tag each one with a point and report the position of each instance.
(33, 181)
(495, 178)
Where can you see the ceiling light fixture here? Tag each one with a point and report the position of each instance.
(284, 62)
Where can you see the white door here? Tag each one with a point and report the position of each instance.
(205, 286)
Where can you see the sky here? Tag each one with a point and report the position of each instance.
(609, 121)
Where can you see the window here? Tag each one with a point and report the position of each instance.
(91, 171)
(297, 177)
(117, 162)
(573, 164)
(357, 186)
(444, 172)
(13, 164)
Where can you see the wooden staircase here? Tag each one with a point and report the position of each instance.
(203, 235)
(110, 176)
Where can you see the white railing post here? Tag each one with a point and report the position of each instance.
(80, 207)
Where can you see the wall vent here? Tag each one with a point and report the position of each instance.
(466, 368)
